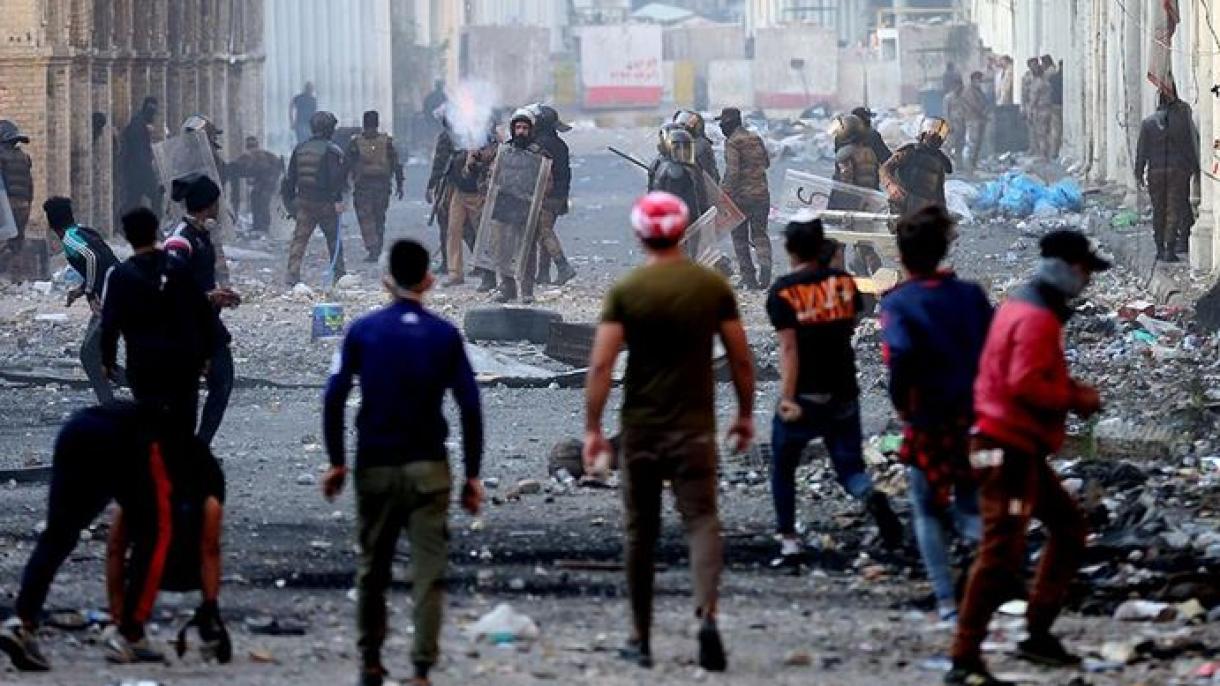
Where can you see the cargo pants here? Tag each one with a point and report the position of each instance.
(371, 200)
(310, 214)
(463, 208)
(1172, 215)
(753, 232)
(413, 497)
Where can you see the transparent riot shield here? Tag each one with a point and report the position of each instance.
(509, 225)
(8, 223)
(706, 237)
(804, 191)
(190, 152)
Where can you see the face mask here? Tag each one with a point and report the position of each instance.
(728, 127)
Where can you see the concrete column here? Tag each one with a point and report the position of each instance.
(80, 112)
(1132, 111)
(1201, 247)
(104, 151)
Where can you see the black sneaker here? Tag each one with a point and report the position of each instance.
(22, 648)
(638, 652)
(711, 649)
(893, 536)
(973, 675)
(1046, 650)
(372, 676)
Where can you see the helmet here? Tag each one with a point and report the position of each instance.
(548, 117)
(523, 114)
(846, 128)
(323, 124)
(198, 122)
(660, 216)
(934, 131)
(9, 133)
(679, 144)
(692, 121)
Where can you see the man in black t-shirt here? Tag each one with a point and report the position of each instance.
(814, 311)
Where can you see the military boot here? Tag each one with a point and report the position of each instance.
(764, 277)
(543, 276)
(508, 290)
(566, 272)
(487, 281)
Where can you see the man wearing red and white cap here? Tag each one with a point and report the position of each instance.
(668, 312)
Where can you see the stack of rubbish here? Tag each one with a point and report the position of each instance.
(1019, 195)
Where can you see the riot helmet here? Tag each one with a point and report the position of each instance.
(522, 116)
(934, 131)
(322, 124)
(198, 122)
(10, 134)
(680, 144)
(846, 128)
(692, 121)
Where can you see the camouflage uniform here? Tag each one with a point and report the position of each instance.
(915, 177)
(975, 110)
(745, 180)
(469, 176)
(441, 192)
(856, 165)
(1040, 116)
(315, 183)
(373, 160)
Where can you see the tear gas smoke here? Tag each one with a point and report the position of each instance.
(469, 112)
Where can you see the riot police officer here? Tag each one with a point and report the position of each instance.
(855, 162)
(915, 176)
(547, 129)
(521, 129)
(313, 190)
(15, 167)
(705, 156)
(675, 169)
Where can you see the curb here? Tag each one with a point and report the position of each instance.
(1129, 251)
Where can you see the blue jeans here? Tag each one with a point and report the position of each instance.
(931, 522)
(838, 424)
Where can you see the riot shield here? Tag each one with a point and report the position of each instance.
(8, 223)
(190, 152)
(706, 236)
(509, 225)
(803, 191)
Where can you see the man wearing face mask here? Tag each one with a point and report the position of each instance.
(190, 248)
(915, 176)
(745, 180)
(1022, 396)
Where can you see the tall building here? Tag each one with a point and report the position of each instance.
(63, 61)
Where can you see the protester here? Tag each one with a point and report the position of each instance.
(814, 310)
(166, 322)
(406, 358)
(92, 259)
(933, 329)
(101, 454)
(668, 312)
(1021, 400)
(191, 249)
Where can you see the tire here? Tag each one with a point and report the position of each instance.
(510, 324)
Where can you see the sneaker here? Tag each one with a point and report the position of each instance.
(214, 640)
(22, 647)
(638, 652)
(1046, 650)
(711, 649)
(120, 651)
(892, 534)
(973, 675)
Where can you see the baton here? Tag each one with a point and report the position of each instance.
(627, 157)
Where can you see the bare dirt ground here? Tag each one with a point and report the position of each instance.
(857, 617)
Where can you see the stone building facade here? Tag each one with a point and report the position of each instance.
(61, 61)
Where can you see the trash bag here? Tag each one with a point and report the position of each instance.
(504, 625)
(1067, 195)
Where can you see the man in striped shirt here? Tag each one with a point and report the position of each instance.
(91, 257)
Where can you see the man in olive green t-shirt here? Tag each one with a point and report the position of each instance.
(668, 312)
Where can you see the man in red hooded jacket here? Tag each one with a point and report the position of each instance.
(1022, 396)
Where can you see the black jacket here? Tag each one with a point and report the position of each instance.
(191, 251)
(561, 163)
(1168, 140)
(164, 318)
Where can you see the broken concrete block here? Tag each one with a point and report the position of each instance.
(510, 324)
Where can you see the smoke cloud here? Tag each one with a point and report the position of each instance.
(469, 111)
